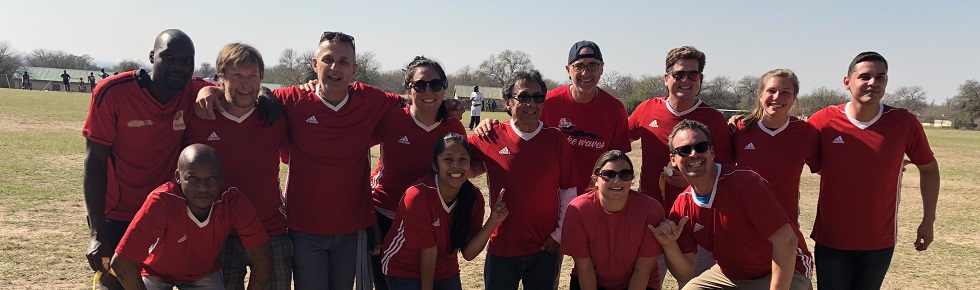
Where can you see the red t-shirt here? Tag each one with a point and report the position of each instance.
(736, 223)
(532, 171)
(249, 153)
(406, 154)
(612, 240)
(422, 221)
(144, 135)
(328, 192)
(778, 156)
(861, 175)
(591, 128)
(169, 242)
(652, 122)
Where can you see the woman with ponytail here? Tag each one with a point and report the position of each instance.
(438, 217)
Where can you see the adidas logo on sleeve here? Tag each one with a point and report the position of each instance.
(505, 151)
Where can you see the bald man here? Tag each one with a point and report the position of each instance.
(133, 132)
(175, 237)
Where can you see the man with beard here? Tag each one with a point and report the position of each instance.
(133, 132)
(250, 154)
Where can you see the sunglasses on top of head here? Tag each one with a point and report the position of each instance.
(687, 150)
(436, 85)
(527, 98)
(331, 35)
(609, 175)
(691, 75)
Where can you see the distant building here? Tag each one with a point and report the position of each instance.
(47, 78)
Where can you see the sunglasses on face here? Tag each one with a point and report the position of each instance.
(330, 35)
(609, 175)
(435, 85)
(686, 150)
(691, 75)
(590, 67)
(526, 98)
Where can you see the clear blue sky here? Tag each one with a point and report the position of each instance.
(933, 44)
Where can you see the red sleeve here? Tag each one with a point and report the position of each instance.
(284, 141)
(243, 220)
(621, 138)
(149, 224)
(100, 125)
(918, 148)
(567, 163)
(417, 220)
(721, 140)
(633, 122)
(812, 147)
(574, 240)
(476, 214)
(686, 241)
(758, 201)
(476, 146)
(649, 246)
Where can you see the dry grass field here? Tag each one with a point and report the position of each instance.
(43, 232)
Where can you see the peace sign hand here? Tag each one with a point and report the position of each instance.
(499, 210)
(668, 232)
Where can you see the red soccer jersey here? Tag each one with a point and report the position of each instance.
(249, 153)
(612, 240)
(591, 129)
(861, 175)
(423, 221)
(778, 156)
(736, 224)
(328, 191)
(652, 122)
(406, 154)
(169, 242)
(532, 170)
(144, 135)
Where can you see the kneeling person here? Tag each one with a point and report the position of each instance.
(732, 213)
(175, 237)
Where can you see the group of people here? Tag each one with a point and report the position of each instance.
(182, 179)
(66, 81)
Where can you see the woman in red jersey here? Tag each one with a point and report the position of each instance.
(406, 136)
(605, 230)
(775, 144)
(438, 217)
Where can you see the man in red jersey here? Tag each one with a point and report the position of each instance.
(594, 120)
(175, 237)
(250, 153)
(533, 162)
(863, 143)
(133, 132)
(652, 121)
(328, 202)
(729, 210)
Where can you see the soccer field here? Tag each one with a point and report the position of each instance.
(43, 233)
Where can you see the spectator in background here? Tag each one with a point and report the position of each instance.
(104, 74)
(476, 105)
(26, 81)
(66, 81)
(81, 85)
(91, 80)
